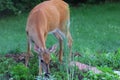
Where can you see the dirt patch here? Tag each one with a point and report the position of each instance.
(20, 57)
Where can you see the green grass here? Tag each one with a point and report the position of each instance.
(96, 36)
(12, 33)
(96, 28)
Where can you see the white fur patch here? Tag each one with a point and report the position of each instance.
(57, 30)
(68, 24)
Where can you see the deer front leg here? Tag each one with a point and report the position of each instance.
(28, 54)
(40, 66)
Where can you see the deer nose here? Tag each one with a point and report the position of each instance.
(47, 75)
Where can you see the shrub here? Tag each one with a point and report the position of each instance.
(21, 72)
(25, 5)
(20, 6)
(6, 64)
(16, 6)
(7, 5)
(104, 76)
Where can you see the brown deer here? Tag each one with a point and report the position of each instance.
(50, 16)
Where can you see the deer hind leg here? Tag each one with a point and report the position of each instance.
(59, 37)
(69, 37)
(69, 45)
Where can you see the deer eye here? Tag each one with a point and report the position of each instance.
(42, 61)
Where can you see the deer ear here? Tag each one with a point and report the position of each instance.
(53, 48)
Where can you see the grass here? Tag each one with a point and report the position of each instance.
(96, 28)
(12, 30)
(95, 31)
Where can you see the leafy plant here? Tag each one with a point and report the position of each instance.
(6, 4)
(6, 65)
(104, 76)
(21, 72)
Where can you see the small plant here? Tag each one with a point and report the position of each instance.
(104, 76)
(6, 64)
(20, 72)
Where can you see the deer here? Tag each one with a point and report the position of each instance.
(48, 17)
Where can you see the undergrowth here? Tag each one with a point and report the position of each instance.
(18, 71)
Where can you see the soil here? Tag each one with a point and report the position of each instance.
(20, 57)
